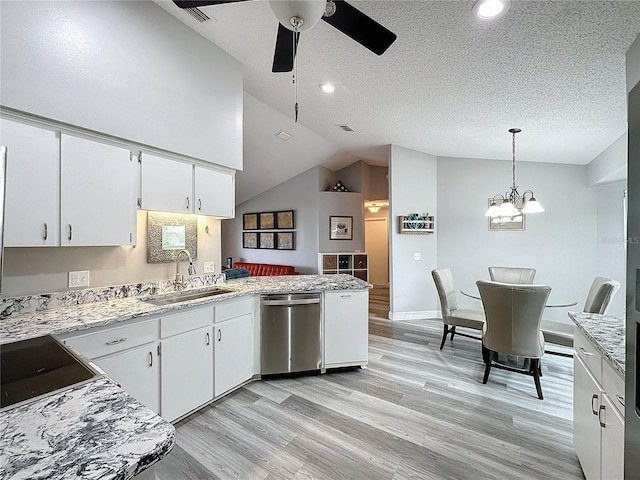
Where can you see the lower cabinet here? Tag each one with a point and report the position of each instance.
(187, 372)
(346, 328)
(137, 371)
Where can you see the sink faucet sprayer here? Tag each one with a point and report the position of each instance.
(179, 281)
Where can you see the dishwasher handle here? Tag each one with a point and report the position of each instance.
(286, 303)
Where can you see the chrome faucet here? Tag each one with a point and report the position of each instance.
(178, 283)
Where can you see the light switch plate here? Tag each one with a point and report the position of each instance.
(416, 256)
(209, 267)
(79, 278)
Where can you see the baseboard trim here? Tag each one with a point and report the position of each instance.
(419, 315)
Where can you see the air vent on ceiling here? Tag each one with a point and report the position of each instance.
(282, 135)
(198, 14)
(346, 128)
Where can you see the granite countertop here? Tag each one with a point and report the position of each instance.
(38, 315)
(608, 335)
(91, 431)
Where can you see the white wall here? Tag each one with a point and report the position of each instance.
(633, 64)
(559, 243)
(43, 270)
(610, 165)
(412, 177)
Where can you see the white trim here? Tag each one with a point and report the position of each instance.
(419, 315)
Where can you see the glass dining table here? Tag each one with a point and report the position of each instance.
(548, 305)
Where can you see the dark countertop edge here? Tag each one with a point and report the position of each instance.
(617, 366)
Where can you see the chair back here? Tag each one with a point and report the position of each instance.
(600, 294)
(512, 275)
(513, 314)
(446, 291)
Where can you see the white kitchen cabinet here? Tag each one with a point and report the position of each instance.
(234, 335)
(98, 193)
(137, 371)
(214, 192)
(173, 186)
(186, 349)
(346, 328)
(598, 424)
(32, 214)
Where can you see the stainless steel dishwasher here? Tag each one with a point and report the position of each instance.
(291, 338)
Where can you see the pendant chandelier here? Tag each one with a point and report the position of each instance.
(512, 205)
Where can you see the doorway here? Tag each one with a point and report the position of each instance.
(376, 244)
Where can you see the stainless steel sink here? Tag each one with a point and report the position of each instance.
(177, 297)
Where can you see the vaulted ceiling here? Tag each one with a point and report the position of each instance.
(450, 85)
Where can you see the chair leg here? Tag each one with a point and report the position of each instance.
(486, 353)
(453, 332)
(535, 367)
(444, 336)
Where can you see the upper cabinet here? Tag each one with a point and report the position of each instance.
(32, 213)
(174, 186)
(125, 69)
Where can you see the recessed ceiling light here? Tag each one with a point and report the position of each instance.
(327, 87)
(491, 9)
(282, 135)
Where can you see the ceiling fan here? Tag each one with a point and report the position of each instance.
(295, 16)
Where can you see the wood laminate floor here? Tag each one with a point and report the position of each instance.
(414, 413)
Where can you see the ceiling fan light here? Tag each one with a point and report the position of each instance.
(491, 9)
(310, 11)
(374, 209)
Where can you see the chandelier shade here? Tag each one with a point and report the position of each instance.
(505, 208)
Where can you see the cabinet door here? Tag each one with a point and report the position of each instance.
(346, 327)
(137, 372)
(215, 192)
(32, 213)
(187, 372)
(233, 353)
(612, 441)
(587, 397)
(98, 200)
(167, 185)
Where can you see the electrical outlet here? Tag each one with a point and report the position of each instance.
(79, 279)
(416, 256)
(209, 267)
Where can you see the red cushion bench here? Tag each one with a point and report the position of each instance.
(266, 269)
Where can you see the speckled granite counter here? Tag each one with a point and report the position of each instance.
(607, 333)
(38, 315)
(91, 431)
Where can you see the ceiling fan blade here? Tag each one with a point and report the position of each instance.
(202, 3)
(360, 27)
(284, 54)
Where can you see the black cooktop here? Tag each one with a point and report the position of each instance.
(37, 366)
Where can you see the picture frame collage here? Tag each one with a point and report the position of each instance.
(271, 238)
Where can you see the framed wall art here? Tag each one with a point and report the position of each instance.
(250, 221)
(284, 241)
(267, 240)
(341, 228)
(249, 240)
(284, 219)
(267, 220)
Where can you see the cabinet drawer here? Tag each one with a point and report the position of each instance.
(614, 386)
(181, 322)
(588, 353)
(233, 309)
(116, 339)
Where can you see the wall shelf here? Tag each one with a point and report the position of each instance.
(420, 226)
(351, 263)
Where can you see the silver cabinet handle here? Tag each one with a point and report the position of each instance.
(345, 296)
(600, 411)
(595, 397)
(70, 232)
(46, 232)
(584, 352)
(208, 337)
(187, 203)
(219, 335)
(151, 359)
(620, 399)
(199, 204)
(115, 342)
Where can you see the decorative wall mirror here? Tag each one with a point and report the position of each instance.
(168, 234)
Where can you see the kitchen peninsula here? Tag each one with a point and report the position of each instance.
(100, 413)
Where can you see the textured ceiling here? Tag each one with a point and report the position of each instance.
(451, 85)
